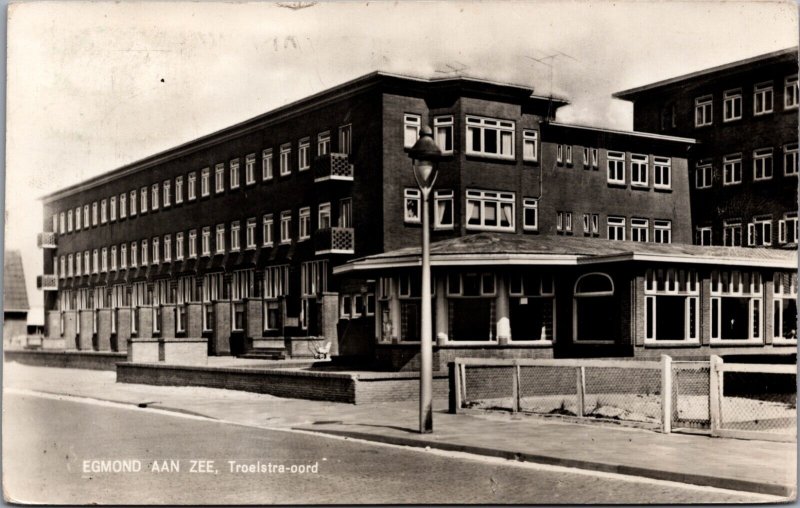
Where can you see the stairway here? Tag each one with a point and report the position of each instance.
(266, 353)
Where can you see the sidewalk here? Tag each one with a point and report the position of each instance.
(755, 466)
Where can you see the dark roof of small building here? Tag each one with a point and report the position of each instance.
(15, 294)
(495, 248)
(787, 54)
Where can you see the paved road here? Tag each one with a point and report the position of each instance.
(46, 443)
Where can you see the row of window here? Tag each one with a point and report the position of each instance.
(162, 195)
(732, 164)
(763, 102)
(758, 230)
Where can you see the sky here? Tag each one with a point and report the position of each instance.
(95, 85)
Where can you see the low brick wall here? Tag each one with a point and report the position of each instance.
(396, 389)
(92, 360)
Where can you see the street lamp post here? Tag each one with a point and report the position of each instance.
(424, 155)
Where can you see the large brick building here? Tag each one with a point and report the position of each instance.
(235, 236)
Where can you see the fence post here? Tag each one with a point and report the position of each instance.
(515, 388)
(666, 394)
(455, 388)
(580, 390)
(715, 393)
(462, 375)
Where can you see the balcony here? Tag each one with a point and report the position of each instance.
(333, 166)
(47, 282)
(46, 241)
(334, 241)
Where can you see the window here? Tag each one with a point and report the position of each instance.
(639, 170)
(304, 223)
(156, 242)
(192, 244)
(560, 154)
(179, 246)
(303, 149)
(145, 252)
(250, 169)
(784, 303)
(205, 183)
(113, 258)
(412, 199)
(468, 284)
(616, 228)
(95, 261)
(205, 241)
(703, 111)
(703, 235)
(569, 154)
(286, 226)
(69, 221)
(732, 233)
(490, 137)
(564, 222)
(167, 248)
(640, 229)
(123, 256)
(63, 223)
(94, 217)
(762, 99)
(275, 285)
(78, 219)
(235, 236)
(443, 133)
(266, 164)
(732, 169)
(790, 92)
(787, 228)
(672, 306)
(324, 216)
(113, 208)
(219, 178)
(104, 259)
(662, 231)
(103, 211)
(489, 210)
(586, 161)
(220, 239)
(594, 308)
(595, 159)
(234, 176)
(345, 138)
(736, 306)
(166, 186)
(286, 150)
(346, 213)
(443, 206)
(732, 105)
(616, 168)
(790, 159)
(134, 254)
(178, 189)
(530, 214)
(591, 224)
(668, 117)
(266, 230)
(703, 175)
(762, 164)
(662, 172)
(86, 222)
(411, 125)
(143, 200)
(192, 186)
(251, 233)
(323, 143)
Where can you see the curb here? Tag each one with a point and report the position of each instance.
(656, 474)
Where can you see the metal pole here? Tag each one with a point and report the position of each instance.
(426, 356)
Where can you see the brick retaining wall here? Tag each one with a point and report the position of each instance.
(93, 360)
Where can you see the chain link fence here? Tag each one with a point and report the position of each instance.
(690, 395)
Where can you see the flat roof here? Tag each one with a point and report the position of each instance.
(484, 249)
(631, 92)
(639, 134)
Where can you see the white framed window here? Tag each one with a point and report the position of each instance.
(443, 133)
(104, 259)
(662, 231)
(324, 143)
(732, 233)
(616, 228)
(103, 211)
(490, 210)
(205, 182)
(205, 241)
(145, 252)
(345, 138)
(568, 154)
(560, 154)
(732, 105)
(167, 248)
(143, 200)
(286, 152)
(412, 206)
(763, 98)
(179, 246)
(95, 261)
(123, 256)
(123, 205)
(266, 230)
(113, 258)
(235, 236)
(234, 177)
(787, 228)
(703, 175)
(640, 230)
(191, 183)
(166, 187)
(593, 308)
(595, 159)
(192, 244)
(219, 243)
(219, 178)
(324, 216)
(703, 111)
(703, 235)
(266, 164)
(466, 284)
(732, 169)
(790, 92)
(564, 222)
(411, 126)
(286, 226)
(63, 222)
(250, 169)
(251, 233)
(77, 219)
(304, 223)
(69, 221)
(304, 154)
(530, 214)
(345, 213)
(762, 164)
(784, 305)
(662, 172)
(736, 307)
(672, 306)
(586, 160)
(154, 195)
(490, 137)
(443, 206)
(639, 170)
(616, 168)
(86, 221)
(112, 208)
(178, 189)
(156, 242)
(790, 159)
(134, 254)
(94, 218)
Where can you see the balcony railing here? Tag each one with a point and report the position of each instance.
(333, 166)
(335, 241)
(46, 240)
(47, 282)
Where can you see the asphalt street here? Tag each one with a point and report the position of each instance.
(55, 452)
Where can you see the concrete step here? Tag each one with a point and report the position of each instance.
(265, 353)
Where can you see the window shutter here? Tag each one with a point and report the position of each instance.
(751, 234)
(781, 231)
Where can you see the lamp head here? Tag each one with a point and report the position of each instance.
(425, 154)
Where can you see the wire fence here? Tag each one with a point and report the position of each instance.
(690, 395)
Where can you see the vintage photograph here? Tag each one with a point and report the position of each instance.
(440, 252)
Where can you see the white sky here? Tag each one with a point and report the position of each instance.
(85, 90)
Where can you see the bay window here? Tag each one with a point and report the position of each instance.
(672, 306)
(490, 211)
(736, 307)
